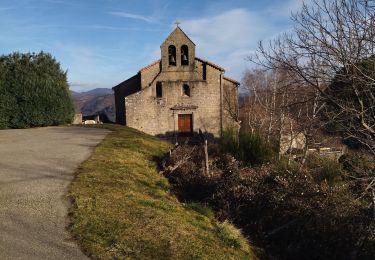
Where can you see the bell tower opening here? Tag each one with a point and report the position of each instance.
(172, 55)
(177, 52)
(184, 55)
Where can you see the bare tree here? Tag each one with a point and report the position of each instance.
(331, 50)
(331, 38)
(279, 107)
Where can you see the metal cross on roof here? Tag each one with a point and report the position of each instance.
(177, 23)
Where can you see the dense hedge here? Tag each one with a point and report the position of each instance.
(33, 91)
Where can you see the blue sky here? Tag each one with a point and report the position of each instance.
(103, 42)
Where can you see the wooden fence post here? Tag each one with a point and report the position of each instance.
(206, 156)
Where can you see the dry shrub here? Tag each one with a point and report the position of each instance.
(292, 217)
(185, 170)
(285, 210)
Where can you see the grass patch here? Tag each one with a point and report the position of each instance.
(232, 236)
(123, 208)
(200, 208)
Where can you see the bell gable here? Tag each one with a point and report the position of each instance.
(178, 52)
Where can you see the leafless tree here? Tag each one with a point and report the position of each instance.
(331, 50)
(330, 39)
(231, 103)
(279, 107)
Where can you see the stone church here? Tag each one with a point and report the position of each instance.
(178, 94)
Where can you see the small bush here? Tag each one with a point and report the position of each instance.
(359, 164)
(229, 141)
(325, 169)
(250, 148)
(254, 150)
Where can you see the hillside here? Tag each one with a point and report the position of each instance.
(96, 101)
(124, 209)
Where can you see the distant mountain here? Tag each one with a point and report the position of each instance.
(99, 92)
(96, 101)
(93, 92)
(74, 94)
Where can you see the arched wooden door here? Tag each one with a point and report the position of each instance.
(185, 123)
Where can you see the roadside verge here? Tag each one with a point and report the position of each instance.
(123, 208)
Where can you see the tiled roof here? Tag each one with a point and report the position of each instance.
(150, 65)
(210, 63)
(199, 59)
(231, 80)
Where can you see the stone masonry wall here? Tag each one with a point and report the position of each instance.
(122, 90)
(159, 116)
(154, 115)
(230, 105)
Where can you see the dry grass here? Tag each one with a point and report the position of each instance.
(123, 208)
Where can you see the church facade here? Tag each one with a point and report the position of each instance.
(178, 94)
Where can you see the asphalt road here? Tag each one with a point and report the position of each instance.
(36, 167)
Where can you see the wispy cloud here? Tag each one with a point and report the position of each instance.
(285, 10)
(3, 9)
(148, 19)
(228, 38)
(55, 1)
(90, 67)
(114, 28)
(82, 86)
(61, 2)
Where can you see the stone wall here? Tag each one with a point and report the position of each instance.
(146, 112)
(290, 142)
(122, 90)
(77, 120)
(148, 74)
(159, 116)
(230, 105)
(177, 38)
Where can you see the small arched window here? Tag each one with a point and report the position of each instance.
(184, 55)
(159, 90)
(186, 90)
(172, 55)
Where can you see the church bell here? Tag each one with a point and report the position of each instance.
(184, 58)
(171, 59)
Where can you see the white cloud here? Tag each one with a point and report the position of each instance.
(88, 68)
(3, 9)
(229, 38)
(287, 8)
(228, 31)
(114, 28)
(133, 16)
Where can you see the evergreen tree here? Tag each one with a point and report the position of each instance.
(33, 91)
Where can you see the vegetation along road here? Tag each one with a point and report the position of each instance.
(36, 167)
(124, 209)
